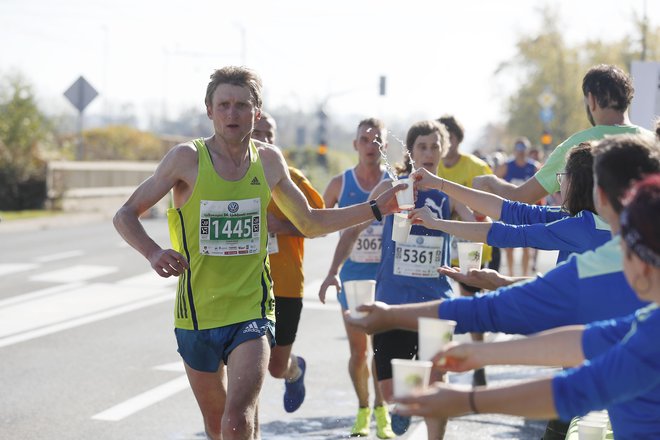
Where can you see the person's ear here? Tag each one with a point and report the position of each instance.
(591, 101)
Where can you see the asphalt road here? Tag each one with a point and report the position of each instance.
(87, 348)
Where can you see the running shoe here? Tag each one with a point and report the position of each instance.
(294, 392)
(383, 423)
(362, 422)
(400, 424)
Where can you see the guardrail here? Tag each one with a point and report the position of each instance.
(97, 186)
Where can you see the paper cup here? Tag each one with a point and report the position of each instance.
(469, 255)
(409, 376)
(358, 293)
(434, 334)
(406, 197)
(401, 227)
(588, 430)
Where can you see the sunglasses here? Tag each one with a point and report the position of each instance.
(560, 177)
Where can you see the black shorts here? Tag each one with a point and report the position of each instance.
(287, 317)
(395, 344)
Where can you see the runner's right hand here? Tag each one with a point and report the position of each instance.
(168, 262)
(330, 280)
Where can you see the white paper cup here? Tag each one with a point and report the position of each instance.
(469, 255)
(358, 293)
(410, 376)
(588, 430)
(434, 334)
(406, 197)
(401, 227)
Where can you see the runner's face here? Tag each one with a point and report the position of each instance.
(264, 131)
(426, 152)
(233, 112)
(366, 144)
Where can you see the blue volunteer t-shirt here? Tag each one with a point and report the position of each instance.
(585, 288)
(622, 374)
(548, 228)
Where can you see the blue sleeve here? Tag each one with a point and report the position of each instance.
(627, 370)
(598, 337)
(518, 213)
(527, 307)
(571, 234)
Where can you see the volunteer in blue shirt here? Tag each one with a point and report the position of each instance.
(586, 288)
(620, 359)
(573, 227)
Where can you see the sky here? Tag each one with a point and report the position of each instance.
(156, 55)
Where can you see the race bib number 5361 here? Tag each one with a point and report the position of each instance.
(229, 228)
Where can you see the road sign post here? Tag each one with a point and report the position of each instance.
(80, 94)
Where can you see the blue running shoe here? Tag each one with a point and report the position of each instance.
(294, 392)
(400, 424)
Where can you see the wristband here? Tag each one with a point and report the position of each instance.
(375, 210)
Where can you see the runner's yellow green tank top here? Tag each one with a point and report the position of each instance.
(222, 232)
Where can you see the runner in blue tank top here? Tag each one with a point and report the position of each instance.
(408, 269)
(365, 256)
(351, 187)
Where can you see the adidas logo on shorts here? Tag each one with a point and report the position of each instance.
(252, 328)
(255, 181)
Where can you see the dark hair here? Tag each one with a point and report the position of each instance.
(453, 126)
(610, 85)
(237, 76)
(657, 129)
(643, 210)
(621, 160)
(423, 128)
(373, 123)
(579, 167)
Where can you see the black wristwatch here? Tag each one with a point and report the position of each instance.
(375, 210)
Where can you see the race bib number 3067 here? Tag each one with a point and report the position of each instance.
(230, 228)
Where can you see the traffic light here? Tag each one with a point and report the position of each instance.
(322, 152)
(546, 139)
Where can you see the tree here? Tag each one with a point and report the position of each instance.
(120, 142)
(23, 131)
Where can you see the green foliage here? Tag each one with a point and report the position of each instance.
(120, 142)
(23, 130)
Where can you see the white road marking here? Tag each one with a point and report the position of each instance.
(141, 401)
(51, 310)
(7, 268)
(38, 294)
(79, 272)
(177, 367)
(149, 279)
(59, 256)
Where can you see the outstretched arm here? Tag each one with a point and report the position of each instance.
(532, 399)
(528, 192)
(561, 347)
(483, 202)
(473, 231)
